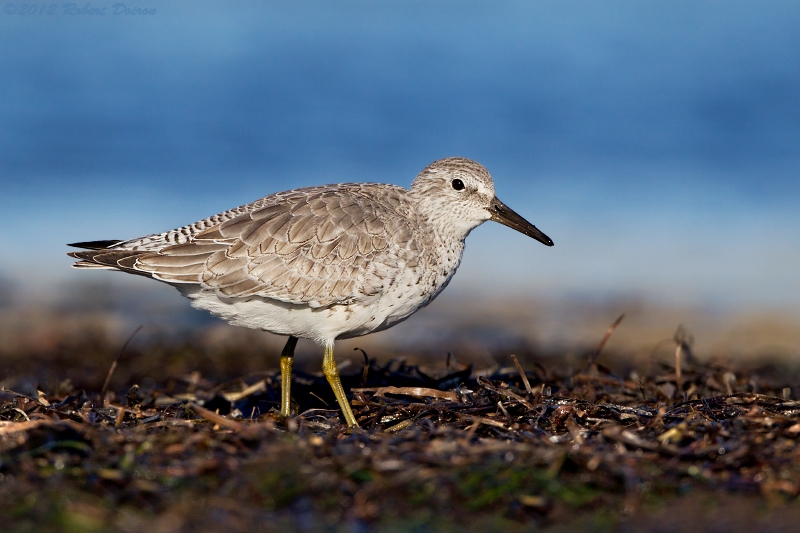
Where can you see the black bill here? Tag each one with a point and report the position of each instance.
(505, 215)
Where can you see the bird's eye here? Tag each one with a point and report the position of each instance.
(458, 185)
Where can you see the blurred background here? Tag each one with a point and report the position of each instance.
(658, 145)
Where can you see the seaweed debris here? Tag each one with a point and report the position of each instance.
(433, 449)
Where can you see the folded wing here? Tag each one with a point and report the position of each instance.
(317, 246)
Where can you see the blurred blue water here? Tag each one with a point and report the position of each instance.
(657, 143)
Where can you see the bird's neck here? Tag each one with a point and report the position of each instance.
(449, 226)
(444, 239)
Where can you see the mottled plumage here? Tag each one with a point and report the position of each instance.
(325, 262)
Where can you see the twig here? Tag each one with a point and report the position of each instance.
(417, 392)
(480, 419)
(485, 383)
(400, 425)
(683, 340)
(472, 429)
(544, 410)
(505, 412)
(214, 417)
(709, 410)
(31, 398)
(223, 386)
(252, 389)
(114, 367)
(452, 357)
(318, 398)
(608, 334)
(366, 368)
(521, 373)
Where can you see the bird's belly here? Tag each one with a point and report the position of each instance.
(322, 325)
(392, 308)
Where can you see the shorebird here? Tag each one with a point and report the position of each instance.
(322, 263)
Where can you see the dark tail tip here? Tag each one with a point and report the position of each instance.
(94, 245)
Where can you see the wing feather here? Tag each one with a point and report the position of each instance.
(317, 246)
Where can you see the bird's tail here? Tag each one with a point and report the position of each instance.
(102, 254)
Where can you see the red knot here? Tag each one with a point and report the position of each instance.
(322, 263)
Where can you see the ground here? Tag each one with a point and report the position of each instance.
(597, 445)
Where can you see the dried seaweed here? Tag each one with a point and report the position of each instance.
(432, 447)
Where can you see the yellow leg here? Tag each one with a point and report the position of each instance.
(332, 373)
(287, 360)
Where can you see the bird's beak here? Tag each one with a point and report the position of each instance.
(503, 214)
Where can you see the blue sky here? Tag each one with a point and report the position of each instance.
(657, 143)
